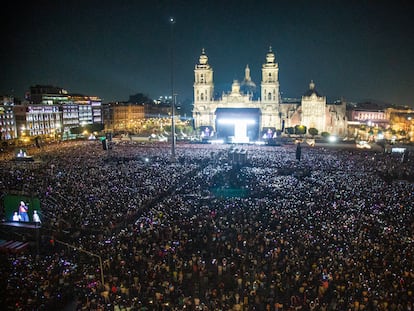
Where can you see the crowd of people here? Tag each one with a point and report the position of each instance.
(134, 229)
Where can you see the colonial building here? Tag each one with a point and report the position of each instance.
(37, 120)
(8, 128)
(240, 116)
(75, 110)
(367, 121)
(236, 115)
(401, 122)
(318, 114)
(123, 117)
(313, 109)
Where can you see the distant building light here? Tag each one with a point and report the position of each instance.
(398, 150)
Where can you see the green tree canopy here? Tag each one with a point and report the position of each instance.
(300, 129)
(290, 130)
(313, 131)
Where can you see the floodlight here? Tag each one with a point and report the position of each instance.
(332, 139)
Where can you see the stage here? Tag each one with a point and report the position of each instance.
(11, 246)
(23, 159)
(21, 224)
(20, 231)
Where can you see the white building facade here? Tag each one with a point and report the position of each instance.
(239, 114)
(250, 116)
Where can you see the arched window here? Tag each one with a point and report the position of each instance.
(202, 96)
(269, 96)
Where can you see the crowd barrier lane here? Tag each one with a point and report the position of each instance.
(20, 248)
(13, 246)
(5, 245)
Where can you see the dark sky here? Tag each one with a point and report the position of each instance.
(359, 50)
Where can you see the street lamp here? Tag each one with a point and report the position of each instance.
(173, 95)
(23, 131)
(86, 252)
(57, 130)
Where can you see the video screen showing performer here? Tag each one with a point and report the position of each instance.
(22, 208)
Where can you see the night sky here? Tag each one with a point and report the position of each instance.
(358, 50)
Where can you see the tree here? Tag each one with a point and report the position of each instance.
(140, 99)
(300, 129)
(313, 131)
(402, 133)
(290, 130)
(96, 127)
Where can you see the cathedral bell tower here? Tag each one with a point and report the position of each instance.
(270, 91)
(203, 91)
(270, 79)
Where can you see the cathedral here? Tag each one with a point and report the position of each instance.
(240, 116)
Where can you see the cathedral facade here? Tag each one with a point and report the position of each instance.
(239, 116)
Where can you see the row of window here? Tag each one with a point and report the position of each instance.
(6, 129)
(6, 122)
(202, 96)
(370, 116)
(270, 95)
(41, 117)
(40, 125)
(6, 116)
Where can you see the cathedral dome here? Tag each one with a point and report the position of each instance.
(235, 87)
(312, 90)
(247, 85)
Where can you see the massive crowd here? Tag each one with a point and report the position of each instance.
(332, 231)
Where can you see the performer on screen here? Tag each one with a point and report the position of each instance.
(23, 209)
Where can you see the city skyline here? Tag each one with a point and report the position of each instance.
(356, 50)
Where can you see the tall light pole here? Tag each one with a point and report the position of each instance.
(173, 95)
(86, 252)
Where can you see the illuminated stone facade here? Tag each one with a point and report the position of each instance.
(8, 128)
(317, 113)
(312, 112)
(127, 117)
(205, 105)
(313, 109)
